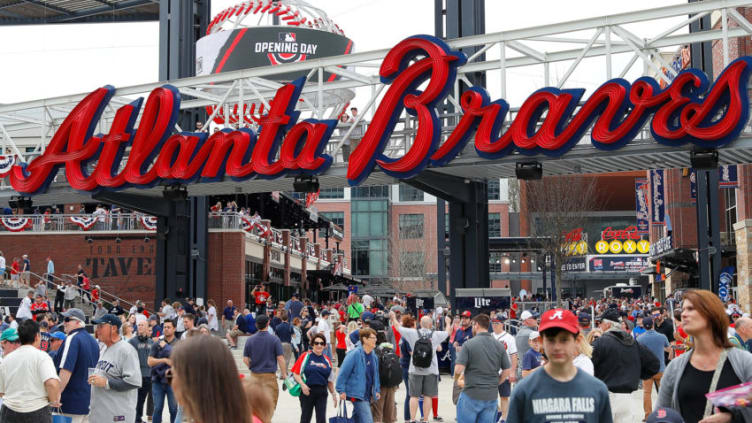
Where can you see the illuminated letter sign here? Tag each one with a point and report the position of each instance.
(689, 110)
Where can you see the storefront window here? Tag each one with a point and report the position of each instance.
(730, 207)
(411, 226)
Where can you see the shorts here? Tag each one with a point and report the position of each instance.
(505, 389)
(14, 276)
(235, 333)
(426, 385)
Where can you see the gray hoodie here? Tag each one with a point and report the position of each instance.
(741, 362)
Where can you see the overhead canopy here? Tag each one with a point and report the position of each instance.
(35, 12)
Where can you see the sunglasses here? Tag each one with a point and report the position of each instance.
(319, 343)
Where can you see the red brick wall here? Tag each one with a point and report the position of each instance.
(126, 269)
(226, 267)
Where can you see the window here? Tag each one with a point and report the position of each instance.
(369, 219)
(494, 262)
(412, 264)
(411, 226)
(408, 193)
(377, 191)
(369, 257)
(494, 224)
(338, 218)
(494, 189)
(332, 193)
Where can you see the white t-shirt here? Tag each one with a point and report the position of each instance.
(583, 363)
(22, 377)
(411, 336)
(24, 310)
(324, 328)
(508, 341)
(169, 313)
(212, 317)
(2, 262)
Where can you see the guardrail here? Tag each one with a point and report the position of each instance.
(103, 295)
(125, 222)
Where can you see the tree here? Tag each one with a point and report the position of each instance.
(555, 205)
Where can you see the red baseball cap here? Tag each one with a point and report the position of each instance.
(559, 318)
(466, 313)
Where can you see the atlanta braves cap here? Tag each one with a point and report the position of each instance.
(559, 318)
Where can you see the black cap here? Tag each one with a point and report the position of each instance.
(109, 319)
(647, 322)
(611, 314)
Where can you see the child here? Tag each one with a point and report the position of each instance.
(559, 388)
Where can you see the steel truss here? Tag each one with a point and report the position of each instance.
(31, 123)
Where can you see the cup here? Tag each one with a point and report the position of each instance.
(91, 371)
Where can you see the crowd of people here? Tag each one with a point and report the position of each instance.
(580, 362)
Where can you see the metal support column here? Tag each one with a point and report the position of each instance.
(468, 226)
(701, 54)
(708, 229)
(441, 244)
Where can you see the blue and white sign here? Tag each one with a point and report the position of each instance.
(724, 282)
(657, 196)
(728, 177)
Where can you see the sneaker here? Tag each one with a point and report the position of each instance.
(438, 419)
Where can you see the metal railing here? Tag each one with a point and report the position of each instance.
(105, 296)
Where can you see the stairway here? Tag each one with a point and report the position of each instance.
(237, 354)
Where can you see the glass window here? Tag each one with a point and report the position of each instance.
(376, 191)
(338, 218)
(494, 189)
(411, 226)
(494, 224)
(412, 264)
(409, 193)
(332, 193)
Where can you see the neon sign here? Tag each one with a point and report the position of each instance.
(687, 111)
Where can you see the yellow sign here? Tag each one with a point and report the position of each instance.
(582, 248)
(643, 246)
(615, 246)
(601, 247)
(630, 246)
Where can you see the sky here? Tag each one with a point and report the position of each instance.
(51, 60)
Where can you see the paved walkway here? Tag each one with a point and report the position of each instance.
(288, 407)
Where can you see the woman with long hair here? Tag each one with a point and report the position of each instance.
(710, 365)
(593, 336)
(315, 374)
(583, 360)
(206, 383)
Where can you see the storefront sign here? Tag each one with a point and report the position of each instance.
(615, 263)
(641, 204)
(577, 264)
(616, 111)
(481, 304)
(657, 197)
(661, 246)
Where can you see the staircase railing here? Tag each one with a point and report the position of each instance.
(104, 295)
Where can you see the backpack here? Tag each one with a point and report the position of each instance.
(423, 351)
(390, 371)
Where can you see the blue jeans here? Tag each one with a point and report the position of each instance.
(452, 358)
(362, 412)
(475, 411)
(158, 391)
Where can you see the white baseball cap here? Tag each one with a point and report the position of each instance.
(526, 315)
(534, 335)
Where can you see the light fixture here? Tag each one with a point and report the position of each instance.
(306, 183)
(506, 260)
(523, 261)
(146, 238)
(514, 260)
(118, 240)
(528, 170)
(703, 159)
(540, 268)
(89, 239)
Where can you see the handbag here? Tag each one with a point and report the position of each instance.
(58, 417)
(292, 385)
(341, 416)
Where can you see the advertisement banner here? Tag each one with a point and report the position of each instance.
(617, 263)
(643, 211)
(693, 184)
(724, 282)
(657, 197)
(575, 264)
(478, 305)
(418, 303)
(727, 176)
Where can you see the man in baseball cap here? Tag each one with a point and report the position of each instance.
(664, 415)
(529, 325)
(547, 393)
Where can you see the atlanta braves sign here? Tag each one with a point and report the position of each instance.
(549, 122)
